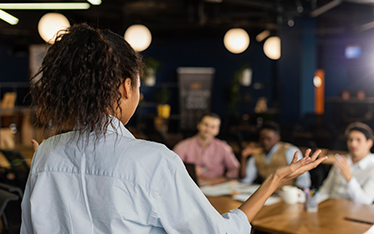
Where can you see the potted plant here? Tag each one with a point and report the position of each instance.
(162, 97)
(242, 77)
(151, 66)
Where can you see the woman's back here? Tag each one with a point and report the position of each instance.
(108, 187)
(117, 185)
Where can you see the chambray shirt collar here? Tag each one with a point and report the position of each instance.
(118, 127)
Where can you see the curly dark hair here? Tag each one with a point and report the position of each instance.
(272, 126)
(81, 75)
(361, 127)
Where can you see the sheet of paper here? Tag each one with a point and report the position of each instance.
(269, 201)
(229, 188)
(370, 231)
(247, 189)
(272, 200)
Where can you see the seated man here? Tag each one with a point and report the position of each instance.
(352, 176)
(273, 154)
(211, 156)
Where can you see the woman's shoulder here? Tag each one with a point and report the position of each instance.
(149, 160)
(145, 151)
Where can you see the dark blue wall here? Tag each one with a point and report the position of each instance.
(347, 74)
(296, 70)
(14, 70)
(289, 80)
(343, 74)
(14, 65)
(308, 64)
(209, 52)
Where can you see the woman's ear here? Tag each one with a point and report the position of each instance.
(126, 88)
(370, 143)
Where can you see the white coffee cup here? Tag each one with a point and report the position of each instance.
(292, 195)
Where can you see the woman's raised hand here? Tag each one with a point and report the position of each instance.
(296, 168)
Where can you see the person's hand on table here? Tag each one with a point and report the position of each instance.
(341, 163)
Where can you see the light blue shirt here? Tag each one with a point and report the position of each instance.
(117, 184)
(303, 181)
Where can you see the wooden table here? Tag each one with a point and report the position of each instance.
(283, 218)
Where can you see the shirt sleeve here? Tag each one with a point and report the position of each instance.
(231, 163)
(302, 181)
(181, 207)
(250, 171)
(26, 226)
(361, 194)
(324, 191)
(181, 150)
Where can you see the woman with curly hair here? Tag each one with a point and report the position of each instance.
(97, 178)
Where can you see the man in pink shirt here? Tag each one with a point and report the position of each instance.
(211, 156)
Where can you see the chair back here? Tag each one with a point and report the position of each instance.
(19, 167)
(10, 212)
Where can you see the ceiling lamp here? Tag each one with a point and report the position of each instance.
(94, 2)
(45, 6)
(272, 47)
(138, 36)
(236, 40)
(50, 24)
(10, 19)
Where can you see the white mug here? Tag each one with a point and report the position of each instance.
(292, 195)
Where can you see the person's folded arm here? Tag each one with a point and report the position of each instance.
(358, 193)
